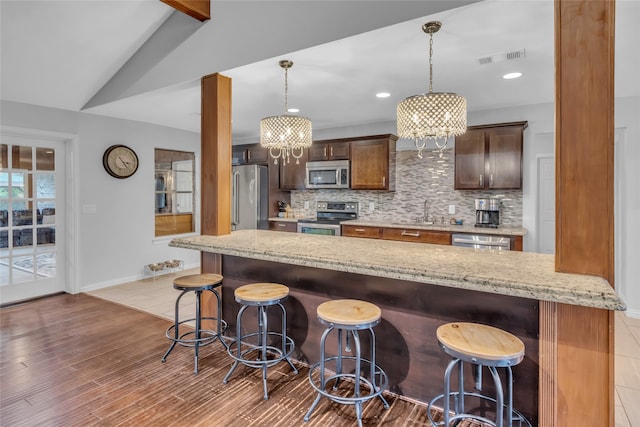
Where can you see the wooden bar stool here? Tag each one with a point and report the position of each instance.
(198, 337)
(351, 316)
(243, 349)
(480, 346)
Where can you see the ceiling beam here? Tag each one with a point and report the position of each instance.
(198, 9)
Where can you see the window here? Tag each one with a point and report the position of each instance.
(174, 192)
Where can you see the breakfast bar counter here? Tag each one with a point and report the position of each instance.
(418, 287)
(527, 275)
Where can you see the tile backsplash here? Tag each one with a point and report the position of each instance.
(419, 182)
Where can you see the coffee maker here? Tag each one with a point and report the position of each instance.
(487, 213)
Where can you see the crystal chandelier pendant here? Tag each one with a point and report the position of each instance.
(433, 116)
(286, 135)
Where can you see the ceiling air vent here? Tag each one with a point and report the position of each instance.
(501, 57)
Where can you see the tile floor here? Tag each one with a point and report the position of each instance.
(157, 297)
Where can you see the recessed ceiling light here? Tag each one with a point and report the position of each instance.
(383, 95)
(293, 110)
(510, 76)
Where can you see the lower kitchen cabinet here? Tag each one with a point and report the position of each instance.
(361, 231)
(417, 235)
(288, 226)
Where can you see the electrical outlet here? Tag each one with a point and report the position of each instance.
(306, 204)
(452, 209)
(371, 206)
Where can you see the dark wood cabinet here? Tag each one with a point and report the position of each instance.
(287, 226)
(361, 231)
(292, 174)
(249, 154)
(373, 163)
(417, 235)
(490, 157)
(327, 150)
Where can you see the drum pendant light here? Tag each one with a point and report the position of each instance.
(435, 115)
(286, 135)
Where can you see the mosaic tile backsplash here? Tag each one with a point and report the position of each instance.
(420, 183)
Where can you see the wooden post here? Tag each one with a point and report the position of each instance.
(576, 346)
(215, 212)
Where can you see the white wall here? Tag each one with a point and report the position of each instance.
(627, 202)
(115, 243)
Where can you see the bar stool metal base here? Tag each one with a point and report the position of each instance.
(480, 346)
(366, 375)
(459, 413)
(253, 349)
(198, 337)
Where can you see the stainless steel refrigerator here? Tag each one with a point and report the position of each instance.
(249, 197)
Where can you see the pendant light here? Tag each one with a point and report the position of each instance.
(435, 115)
(286, 135)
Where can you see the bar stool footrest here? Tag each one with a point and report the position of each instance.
(207, 336)
(376, 387)
(276, 352)
(517, 418)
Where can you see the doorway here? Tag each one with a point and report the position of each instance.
(32, 217)
(546, 241)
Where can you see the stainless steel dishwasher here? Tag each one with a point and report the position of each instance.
(481, 241)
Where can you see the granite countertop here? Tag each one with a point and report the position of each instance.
(500, 231)
(521, 274)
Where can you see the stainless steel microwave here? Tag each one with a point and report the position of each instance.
(327, 174)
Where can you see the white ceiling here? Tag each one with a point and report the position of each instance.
(140, 61)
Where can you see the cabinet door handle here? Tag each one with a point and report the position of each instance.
(325, 152)
(406, 233)
(331, 151)
(244, 156)
(491, 180)
(359, 230)
(249, 155)
(481, 180)
(384, 181)
(282, 225)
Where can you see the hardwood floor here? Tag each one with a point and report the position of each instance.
(77, 360)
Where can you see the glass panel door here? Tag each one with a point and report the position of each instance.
(30, 218)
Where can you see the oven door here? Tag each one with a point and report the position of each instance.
(319, 228)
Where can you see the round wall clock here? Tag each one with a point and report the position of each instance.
(120, 161)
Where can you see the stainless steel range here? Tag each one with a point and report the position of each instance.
(329, 215)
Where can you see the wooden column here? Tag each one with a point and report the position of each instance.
(215, 212)
(577, 353)
(215, 218)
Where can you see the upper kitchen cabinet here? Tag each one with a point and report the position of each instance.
(249, 154)
(329, 150)
(373, 163)
(489, 157)
(292, 174)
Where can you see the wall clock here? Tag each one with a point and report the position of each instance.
(120, 161)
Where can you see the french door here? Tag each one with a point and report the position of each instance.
(32, 220)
